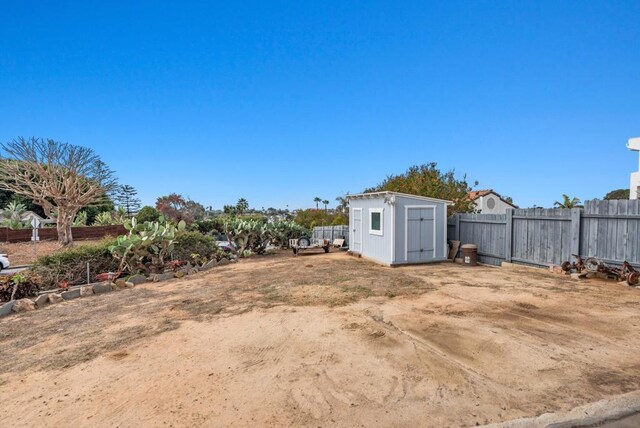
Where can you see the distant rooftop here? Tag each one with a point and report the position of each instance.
(475, 194)
(633, 144)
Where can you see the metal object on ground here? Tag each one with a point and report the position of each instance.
(469, 254)
(304, 243)
(626, 272)
(577, 266)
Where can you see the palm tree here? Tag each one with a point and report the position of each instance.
(317, 200)
(568, 202)
(342, 204)
(325, 203)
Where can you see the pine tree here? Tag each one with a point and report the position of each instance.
(126, 197)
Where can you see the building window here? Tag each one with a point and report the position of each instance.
(491, 203)
(375, 221)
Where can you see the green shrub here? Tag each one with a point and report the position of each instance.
(147, 213)
(70, 265)
(210, 226)
(190, 243)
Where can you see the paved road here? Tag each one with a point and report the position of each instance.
(12, 271)
(632, 421)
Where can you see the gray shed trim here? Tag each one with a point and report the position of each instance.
(378, 194)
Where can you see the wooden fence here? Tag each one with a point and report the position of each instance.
(332, 232)
(51, 233)
(608, 230)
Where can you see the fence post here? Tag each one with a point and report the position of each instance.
(575, 230)
(508, 238)
(458, 227)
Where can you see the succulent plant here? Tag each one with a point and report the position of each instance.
(256, 235)
(81, 219)
(147, 245)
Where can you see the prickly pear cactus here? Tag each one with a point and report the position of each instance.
(147, 245)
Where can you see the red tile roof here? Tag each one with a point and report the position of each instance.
(475, 194)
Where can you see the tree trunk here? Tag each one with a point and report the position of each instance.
(63, 226)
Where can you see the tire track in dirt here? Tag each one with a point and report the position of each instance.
(556, 325)
(473, 376)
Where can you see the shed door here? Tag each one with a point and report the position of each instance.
(420, 234)
(356, 238)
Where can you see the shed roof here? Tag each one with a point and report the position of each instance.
(372, 195)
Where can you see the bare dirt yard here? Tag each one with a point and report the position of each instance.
(322, 340)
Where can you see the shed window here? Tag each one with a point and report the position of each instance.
(375, 221)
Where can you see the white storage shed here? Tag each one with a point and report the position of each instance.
(396, 228)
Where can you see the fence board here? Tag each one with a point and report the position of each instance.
(608, 230)
(51, 233)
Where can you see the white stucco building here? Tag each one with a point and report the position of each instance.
(634, 185)
(489, 202)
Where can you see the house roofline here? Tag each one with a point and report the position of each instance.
(490, 191)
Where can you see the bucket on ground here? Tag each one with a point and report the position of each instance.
(469, 254)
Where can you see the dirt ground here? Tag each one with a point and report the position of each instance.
(23, 253)
(322, 340)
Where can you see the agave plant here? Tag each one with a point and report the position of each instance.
(81, 219)
(103, 219)
(119, 216)
(147, 245)
(13, 215)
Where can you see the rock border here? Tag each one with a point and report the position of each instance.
(48, 297)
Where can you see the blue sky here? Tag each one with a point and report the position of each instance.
(279, 102)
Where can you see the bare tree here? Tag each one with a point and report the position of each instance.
(60, 177)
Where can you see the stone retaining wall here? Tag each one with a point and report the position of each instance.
(56, 296)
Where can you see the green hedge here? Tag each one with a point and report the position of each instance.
(71, 264)
(188, 243)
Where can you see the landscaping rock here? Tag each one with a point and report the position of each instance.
(210, 264)
(223, 262)
(163, 276)
(55, 298)
(194, 270)
(104, 287)
(137, 279)
(42, 300)
(24, 305)
(120, 282)
(71, 294)
(85, 291)
(129, 284)
(7, 308)
(180, 274)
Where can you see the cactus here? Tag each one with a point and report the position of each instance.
(256, 235)
(146, 246)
